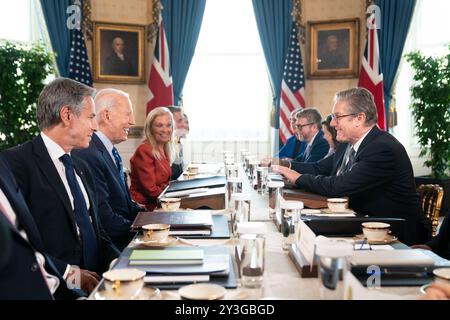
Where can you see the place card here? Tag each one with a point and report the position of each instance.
(305, 241)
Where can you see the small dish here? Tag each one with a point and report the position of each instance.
(156, 243)
(389, 239)
(202, 291)
(346, 211)
(310, 211)
(147, 293)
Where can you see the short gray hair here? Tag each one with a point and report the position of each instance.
(107, 98)
(312, 115)
(57, 94)
(360, 100)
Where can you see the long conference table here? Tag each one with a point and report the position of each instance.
(281, 278)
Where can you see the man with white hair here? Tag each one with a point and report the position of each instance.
(114, 115)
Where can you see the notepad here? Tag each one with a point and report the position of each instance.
(166, 257)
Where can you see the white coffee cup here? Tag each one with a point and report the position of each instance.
(123, 283)
(192, 169)
(170, 204)
(156, 232)
(375, 231)
(337, 204)
(442, 275)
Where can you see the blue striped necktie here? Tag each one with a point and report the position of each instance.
(119, 164)
(88, 237)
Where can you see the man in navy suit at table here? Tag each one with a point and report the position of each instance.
(58, 188)
(26, 271)
(114, 114)
(309, 128)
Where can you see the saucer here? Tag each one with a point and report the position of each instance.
(389, 239)
(327, 210)
(202, 291)
(156, 243)
(310, 211)
(146, 293)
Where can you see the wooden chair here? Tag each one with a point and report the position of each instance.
(431, 196)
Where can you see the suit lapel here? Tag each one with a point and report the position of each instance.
(339, 157)
(49, 171)
(112, 166)
(374, 132)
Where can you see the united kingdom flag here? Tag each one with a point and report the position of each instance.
(160, 78)
(370, 75)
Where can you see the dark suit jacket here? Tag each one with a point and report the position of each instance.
(292, 148)
(115, 208)
(441, 243)
(177, 165)
(20, 276)
(380, 183)
(113, 65)
(47, 199)
(319, 150)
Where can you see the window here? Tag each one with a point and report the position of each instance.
(15, 22)
(227, 93)
(428, 33)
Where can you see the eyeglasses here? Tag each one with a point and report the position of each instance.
(300, 126)
(337, 118)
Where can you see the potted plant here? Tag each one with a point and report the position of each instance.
(24, 69)
(431, 111)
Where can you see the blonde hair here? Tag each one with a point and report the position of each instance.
(168, 146)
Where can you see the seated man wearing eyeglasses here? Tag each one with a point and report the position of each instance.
(309, 128)
(370, 167)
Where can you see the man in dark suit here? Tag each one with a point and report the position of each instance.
(181, 130)
(309, 128)
(59, 189)
(116, 209)
(440, 244)
(372, 168)
(26, 272)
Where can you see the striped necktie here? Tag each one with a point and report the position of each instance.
(119, 164)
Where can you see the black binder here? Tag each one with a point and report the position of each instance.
(210, 182)
(350, 226)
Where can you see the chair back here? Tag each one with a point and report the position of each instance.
(431, 196)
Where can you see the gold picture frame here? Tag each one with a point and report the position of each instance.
(119, 52)
(333, 49)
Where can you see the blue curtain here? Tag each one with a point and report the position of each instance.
(273, 18)
(395, 20)
(55, 17)
(182, 22)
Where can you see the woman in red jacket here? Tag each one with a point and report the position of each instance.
(150, 164)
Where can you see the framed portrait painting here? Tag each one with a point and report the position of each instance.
(119, 53)
(333, 49)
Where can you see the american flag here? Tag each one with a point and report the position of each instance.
(160, 79)
(79, 68)
(371, 76)
(292, 86)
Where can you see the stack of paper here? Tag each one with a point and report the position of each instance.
(167, 257)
